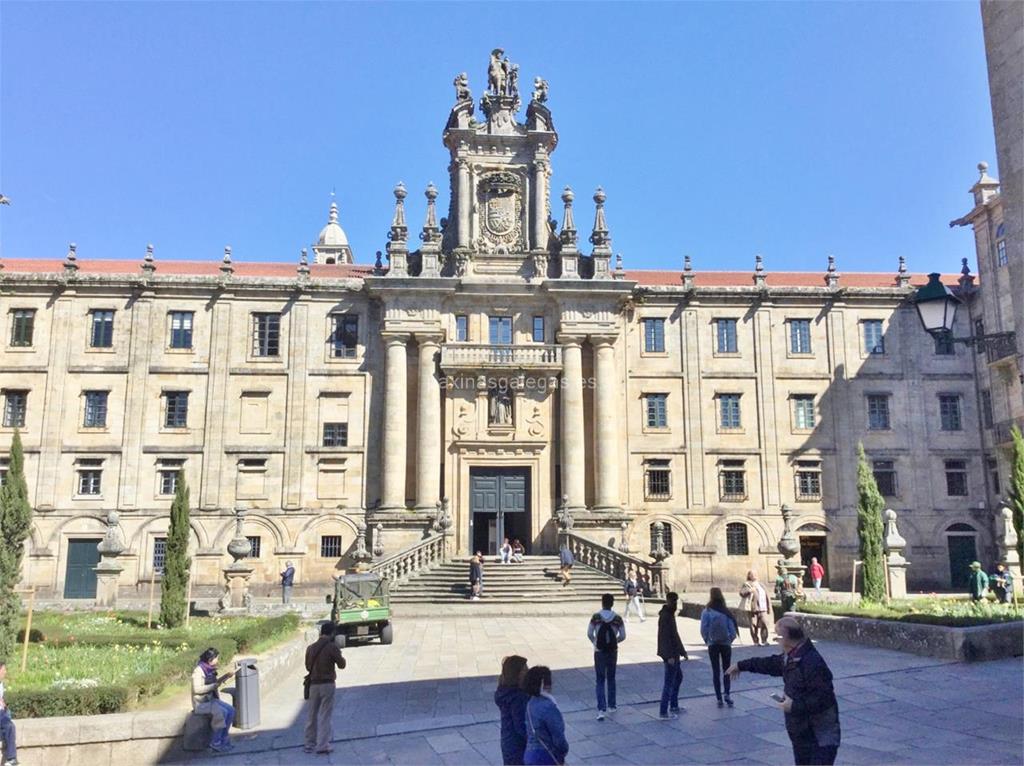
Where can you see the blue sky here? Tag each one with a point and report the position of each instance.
(720, 130)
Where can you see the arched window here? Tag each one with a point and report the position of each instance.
(736, 543)
(666, 536)
(960, 527)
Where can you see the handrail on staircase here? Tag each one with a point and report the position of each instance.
(428, 552)
(613, 562)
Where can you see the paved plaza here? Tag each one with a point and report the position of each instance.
(427, 699)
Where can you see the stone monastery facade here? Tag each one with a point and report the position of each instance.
(503, 362)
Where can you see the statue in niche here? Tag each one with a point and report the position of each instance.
(500, 409)
(461, 84)
(540, 90)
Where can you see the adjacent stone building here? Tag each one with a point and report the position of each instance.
(502, 363)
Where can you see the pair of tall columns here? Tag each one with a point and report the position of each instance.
(606, 433)
(428, 433)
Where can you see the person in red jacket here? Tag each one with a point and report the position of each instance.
(817, 573)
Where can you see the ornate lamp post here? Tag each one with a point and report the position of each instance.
(936, 308)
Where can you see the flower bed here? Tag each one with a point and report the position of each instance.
(109, 663)
(925, 611)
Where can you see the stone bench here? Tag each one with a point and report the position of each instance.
(198, 732)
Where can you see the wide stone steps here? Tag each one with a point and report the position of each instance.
(534, 581)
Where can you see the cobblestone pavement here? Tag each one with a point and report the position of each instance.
(427, 699)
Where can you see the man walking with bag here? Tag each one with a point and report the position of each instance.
(322, 657)
(606, 632)
(672, 652)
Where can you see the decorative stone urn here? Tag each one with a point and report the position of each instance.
(238, 574)
(108, 571)
(378, 540)
(895, 564)
(623, 545)
(789, 546)
(361, 555)
(658, 551)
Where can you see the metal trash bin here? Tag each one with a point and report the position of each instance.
(247, 694)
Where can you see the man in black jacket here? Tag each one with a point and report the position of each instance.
(812, 714)
(670, 649)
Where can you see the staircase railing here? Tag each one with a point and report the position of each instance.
(428, 552)
(614, 563)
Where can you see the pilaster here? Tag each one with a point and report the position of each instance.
(216, 398)
(428, 434)
(53, 404)
(294, 444)
(607, 434)
(140, 343)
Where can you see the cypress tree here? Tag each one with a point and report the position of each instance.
(15, 527)
(1016, 496)
(176, 562)
(869, 529)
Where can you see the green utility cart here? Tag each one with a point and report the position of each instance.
(362, 608)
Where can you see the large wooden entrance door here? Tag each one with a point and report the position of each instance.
(963, 549)
(498, 507)
(80, 575)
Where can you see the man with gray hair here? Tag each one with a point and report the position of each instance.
(809, 701)
(287, 579)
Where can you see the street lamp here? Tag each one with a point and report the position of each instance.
(936, 307)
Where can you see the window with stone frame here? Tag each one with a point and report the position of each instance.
(22, 327)
(732, 480)
(874, 339)
(878, 412)
(175, 409)
(255, 546)
(180, 329)
(15, 407)
(725, 336)
(335, 435)
(949, 412)
(159, 554)
(1001, 257)
(330, 546)
(461, 328)
(539, 335)
(95, 415)
(956, 478)
(500, 328)
(979, 330)
(986, 408)
(800, 336)
(729, 412)
(344, 336)
(666, 536)
(101, 328)
(266, 334)
(885, 477)
(993, 474)
(657, 479)
(654, 335)
(944, 345)
(808, 480)
(656, 410)
(90, 475)
(168, 471)
(736, 539)
(803, 412)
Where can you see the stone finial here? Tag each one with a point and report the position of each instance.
(568, 235)
(759, 275)
(599, 237)
(788, 545)
(239, 546)
(303, 269)
(378, 540)
(226, 267)
(431, 232)
(894, 542)
(1007, 540)
(902, 275)
(687, 272)
(378, 263)
(831, 274)
(112, 544)
(399, 231)
(985, 187)
(71, 259)
(620, 272)
(966, 278)
(148, 263)
(658, 551)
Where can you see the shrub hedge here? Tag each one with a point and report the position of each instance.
(950, 614)
(44, 703)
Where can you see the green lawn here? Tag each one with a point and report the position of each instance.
(89, 662)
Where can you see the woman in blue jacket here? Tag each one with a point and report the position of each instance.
(511, 701)
(718, 629)
(545, 728)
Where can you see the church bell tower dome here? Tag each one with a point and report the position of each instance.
(332, 245)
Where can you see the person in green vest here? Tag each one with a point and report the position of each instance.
(977, 582)
(786, 586)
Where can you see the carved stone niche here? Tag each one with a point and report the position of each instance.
(500, 202)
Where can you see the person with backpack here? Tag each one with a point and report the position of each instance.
(545, 728)
(634, 599)
(672, 652)
(718, 628)
(786, 588)
(606, 631)
(476, 576)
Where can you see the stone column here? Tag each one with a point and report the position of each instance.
(428, 434)
(606, 434)
(393, 449)
(540, 190)
(572, 423)
(465, 199)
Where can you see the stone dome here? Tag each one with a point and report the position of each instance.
(332, 235)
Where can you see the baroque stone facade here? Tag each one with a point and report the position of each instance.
(496, 365)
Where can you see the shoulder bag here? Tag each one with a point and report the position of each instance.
(529, 720)
(308, 679)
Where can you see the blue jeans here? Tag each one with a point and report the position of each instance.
(670, 688)
(7, 735)
(221, 737)
(604, 667)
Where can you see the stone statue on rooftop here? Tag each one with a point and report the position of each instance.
(461, 83)
(540, 90)
(496, 72)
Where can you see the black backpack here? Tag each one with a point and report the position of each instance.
(607, 638)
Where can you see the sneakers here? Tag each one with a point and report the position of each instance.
(721, 704)
(612, 708)
(600, 715)
(11, 762)
(677, 710)
(325, 751)
(222, 747)
(728, 701)
(307, 748)
(670, 716)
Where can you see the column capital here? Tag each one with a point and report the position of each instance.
(392, 338)
(567, 339)
(602, 341)
(429, 338)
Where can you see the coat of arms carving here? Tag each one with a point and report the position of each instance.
(501, 210)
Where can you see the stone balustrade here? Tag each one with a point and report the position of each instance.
(481, 356)
(614, 563)
(398, 567)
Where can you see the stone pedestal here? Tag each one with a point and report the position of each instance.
(108, 573)
(236, 596)
(789, 546)
(895, 564)
(1007, 542)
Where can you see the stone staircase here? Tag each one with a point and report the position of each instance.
(535, 581)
